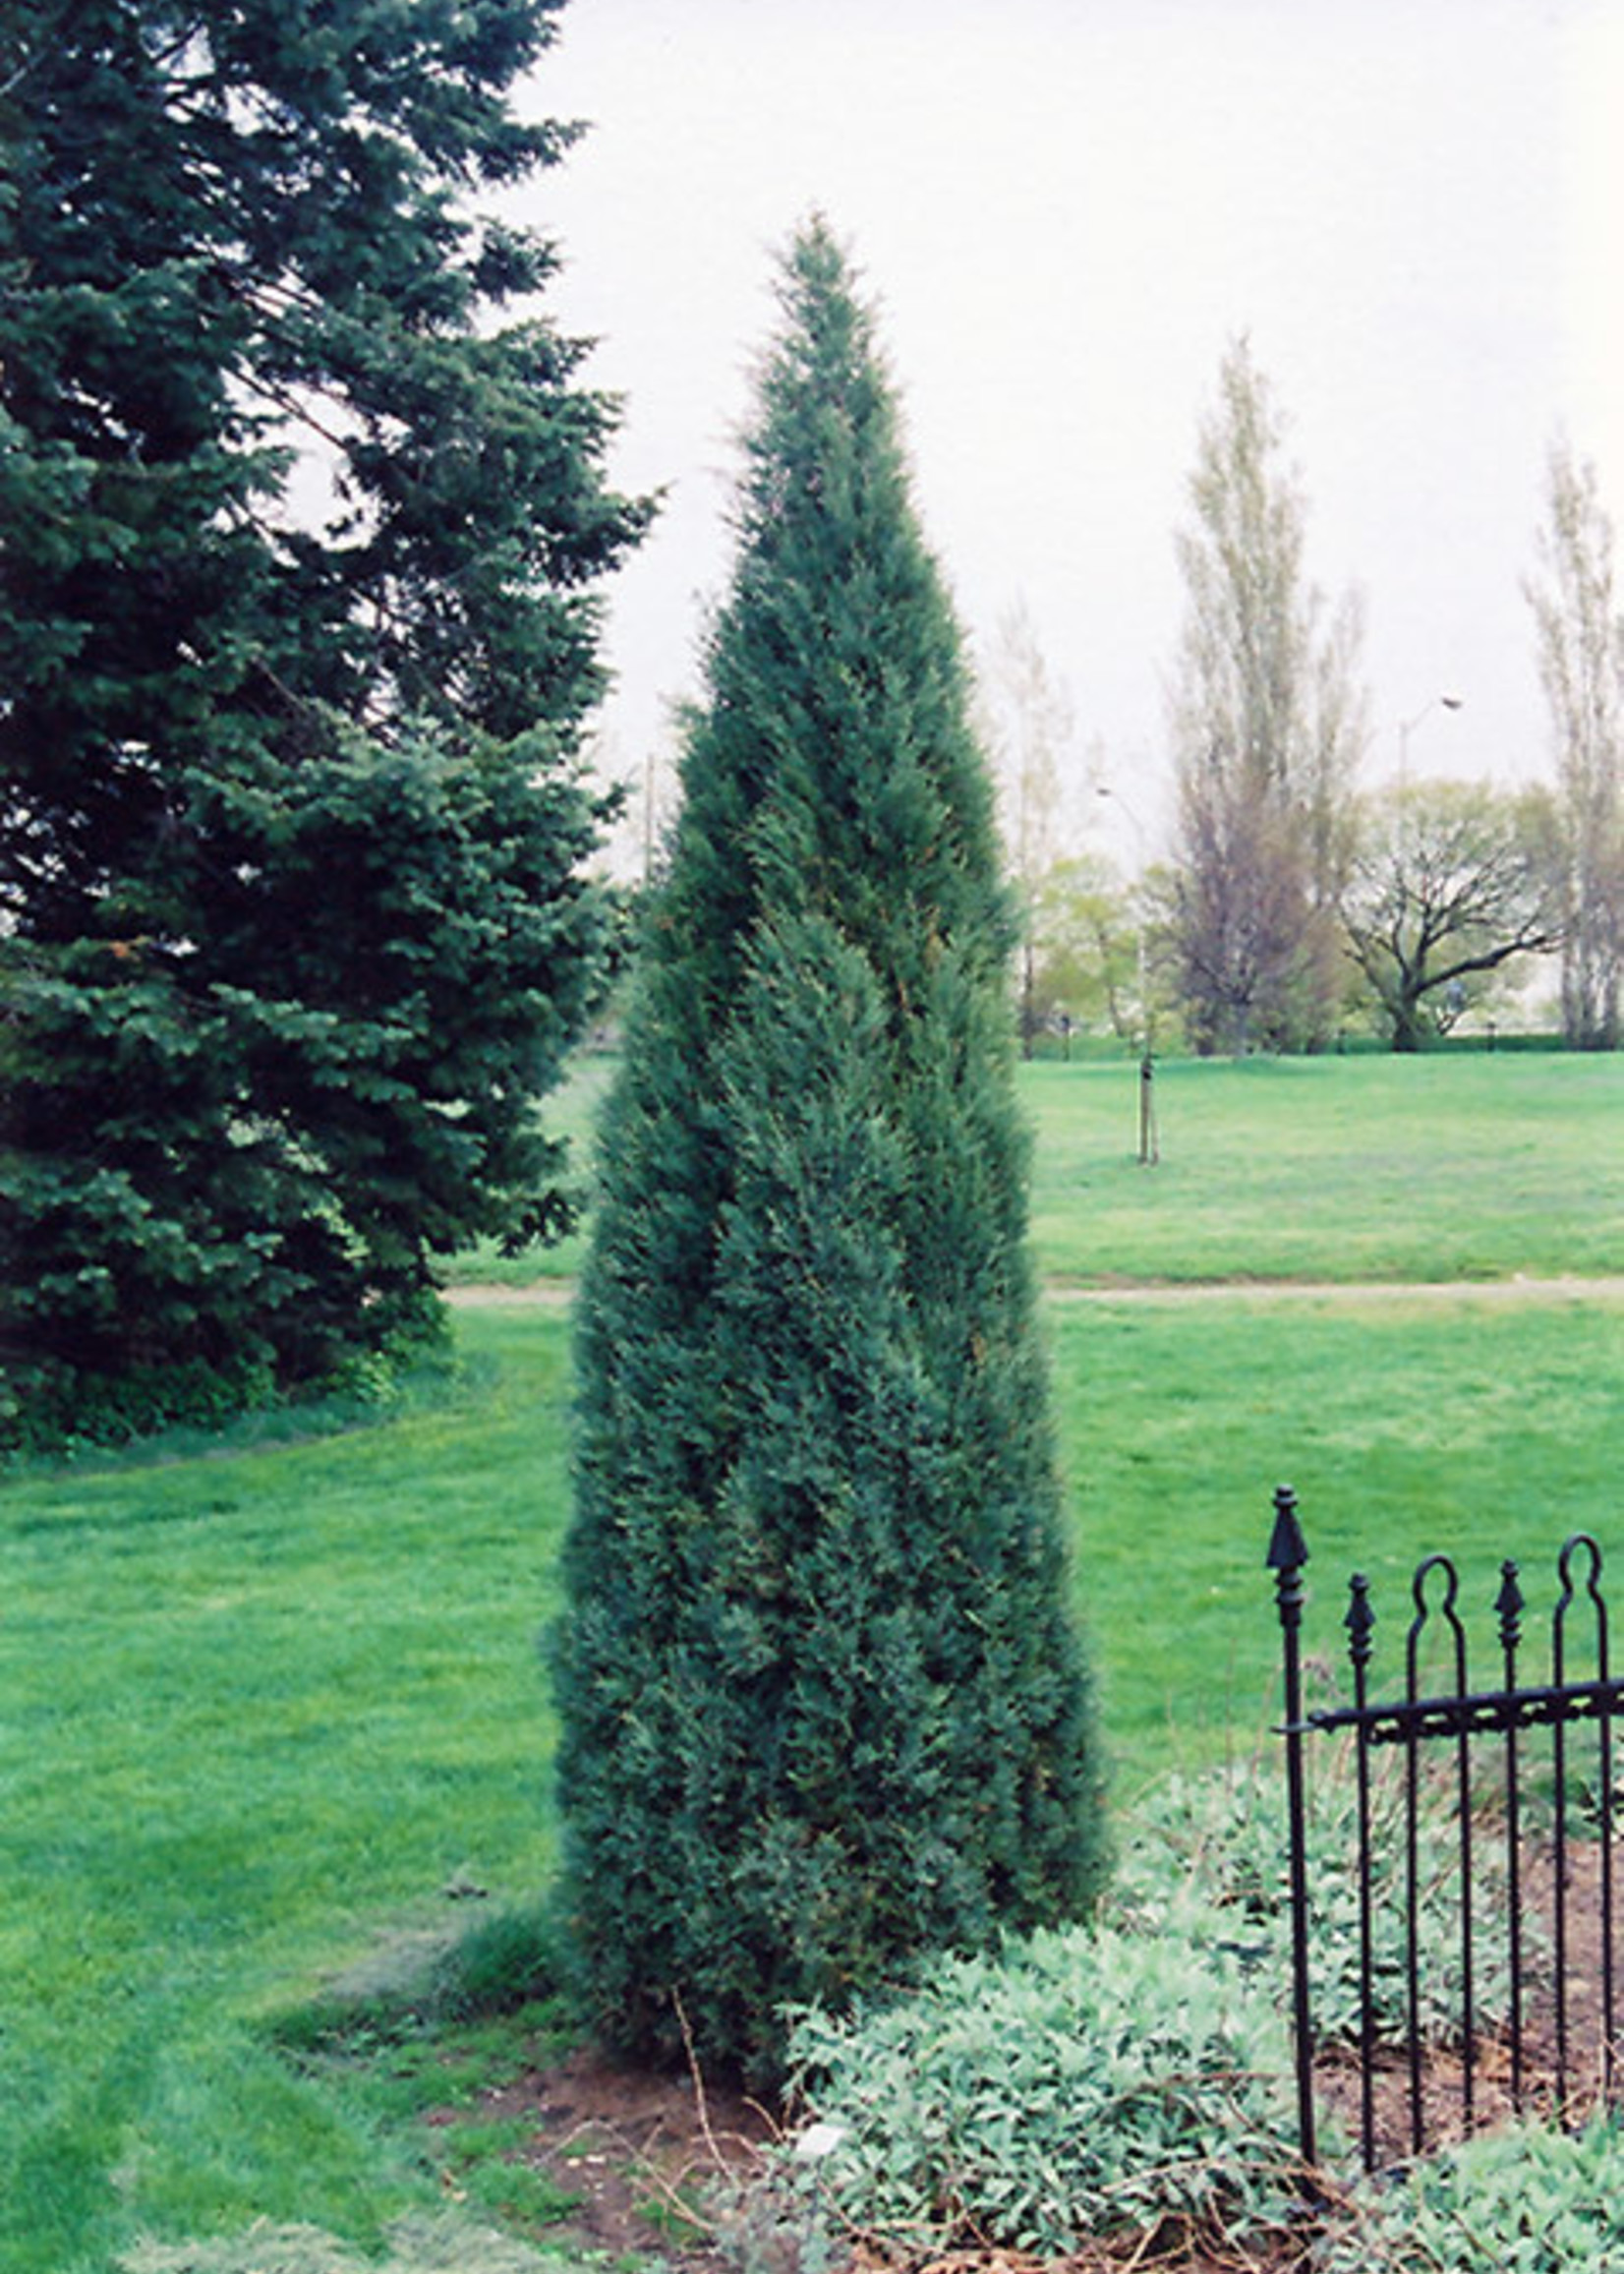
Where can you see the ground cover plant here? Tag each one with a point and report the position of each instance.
(1203, 1858)
(1526, 2200)
(262, 1703)
(1123, 2090)
(1076, 2084)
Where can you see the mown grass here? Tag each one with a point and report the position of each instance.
(256, 1710)
(1432, 1168)
(1447, 1167)
(570, 1113)
(261, 1705)
(1480, 1429)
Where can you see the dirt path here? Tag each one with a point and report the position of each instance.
(541, 1295)
(556, 1294)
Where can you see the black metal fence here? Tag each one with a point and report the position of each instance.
(1527, 2053)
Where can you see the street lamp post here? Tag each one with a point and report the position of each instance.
(1407, 728)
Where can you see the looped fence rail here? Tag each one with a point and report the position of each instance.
(1524, 2056)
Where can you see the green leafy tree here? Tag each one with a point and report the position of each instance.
(821, 1702)
(1267, 724)
(1088, 939)
(301, 505)
(1450, 882)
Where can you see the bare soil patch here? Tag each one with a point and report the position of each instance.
(657, 2161)
(646, 2151)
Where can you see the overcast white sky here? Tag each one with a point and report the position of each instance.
(1065, 210)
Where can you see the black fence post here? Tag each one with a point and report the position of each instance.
(1288, 1553)
(1360, 1622)
(1509, 1604)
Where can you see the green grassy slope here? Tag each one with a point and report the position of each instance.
(260, 1707)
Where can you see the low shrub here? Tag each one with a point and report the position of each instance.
(1525, 2200)
(508, 1957)
(56, 1414)
(1088, 2082)
(1132, 2077)
(1210, 1853)
(501, 1960)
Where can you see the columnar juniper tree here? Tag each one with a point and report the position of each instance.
(821, 1696)
(292, 923)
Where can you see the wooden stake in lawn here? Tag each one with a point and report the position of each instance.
(822, 1704)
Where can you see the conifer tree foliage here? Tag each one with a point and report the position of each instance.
(822, 1701)
(300, 509)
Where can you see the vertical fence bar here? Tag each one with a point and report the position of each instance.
(1463, 1772)
(1412, 1907)
(1509, 1605)
(1605, 1781)
(1359, 1621)
(1610, 2007)
(1559, 1765)
(1605, 1792)
(1463, 1811)
(1288, 1553)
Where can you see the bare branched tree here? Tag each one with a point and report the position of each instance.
(1449, 882)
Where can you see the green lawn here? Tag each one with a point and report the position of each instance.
(1446, 1167)
(254, 1711)
(1475, 1166)
(259, 1708)
(1483, 1430)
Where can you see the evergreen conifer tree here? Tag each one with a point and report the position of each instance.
(823, 1703)
(301, 510)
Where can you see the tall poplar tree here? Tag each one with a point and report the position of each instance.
(821, 1696)
(1581, 648)
(301, 505)
(1268, 724)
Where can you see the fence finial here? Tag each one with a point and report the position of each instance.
(1361, 1620)
(1288, 1549)
(1509, 1602)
